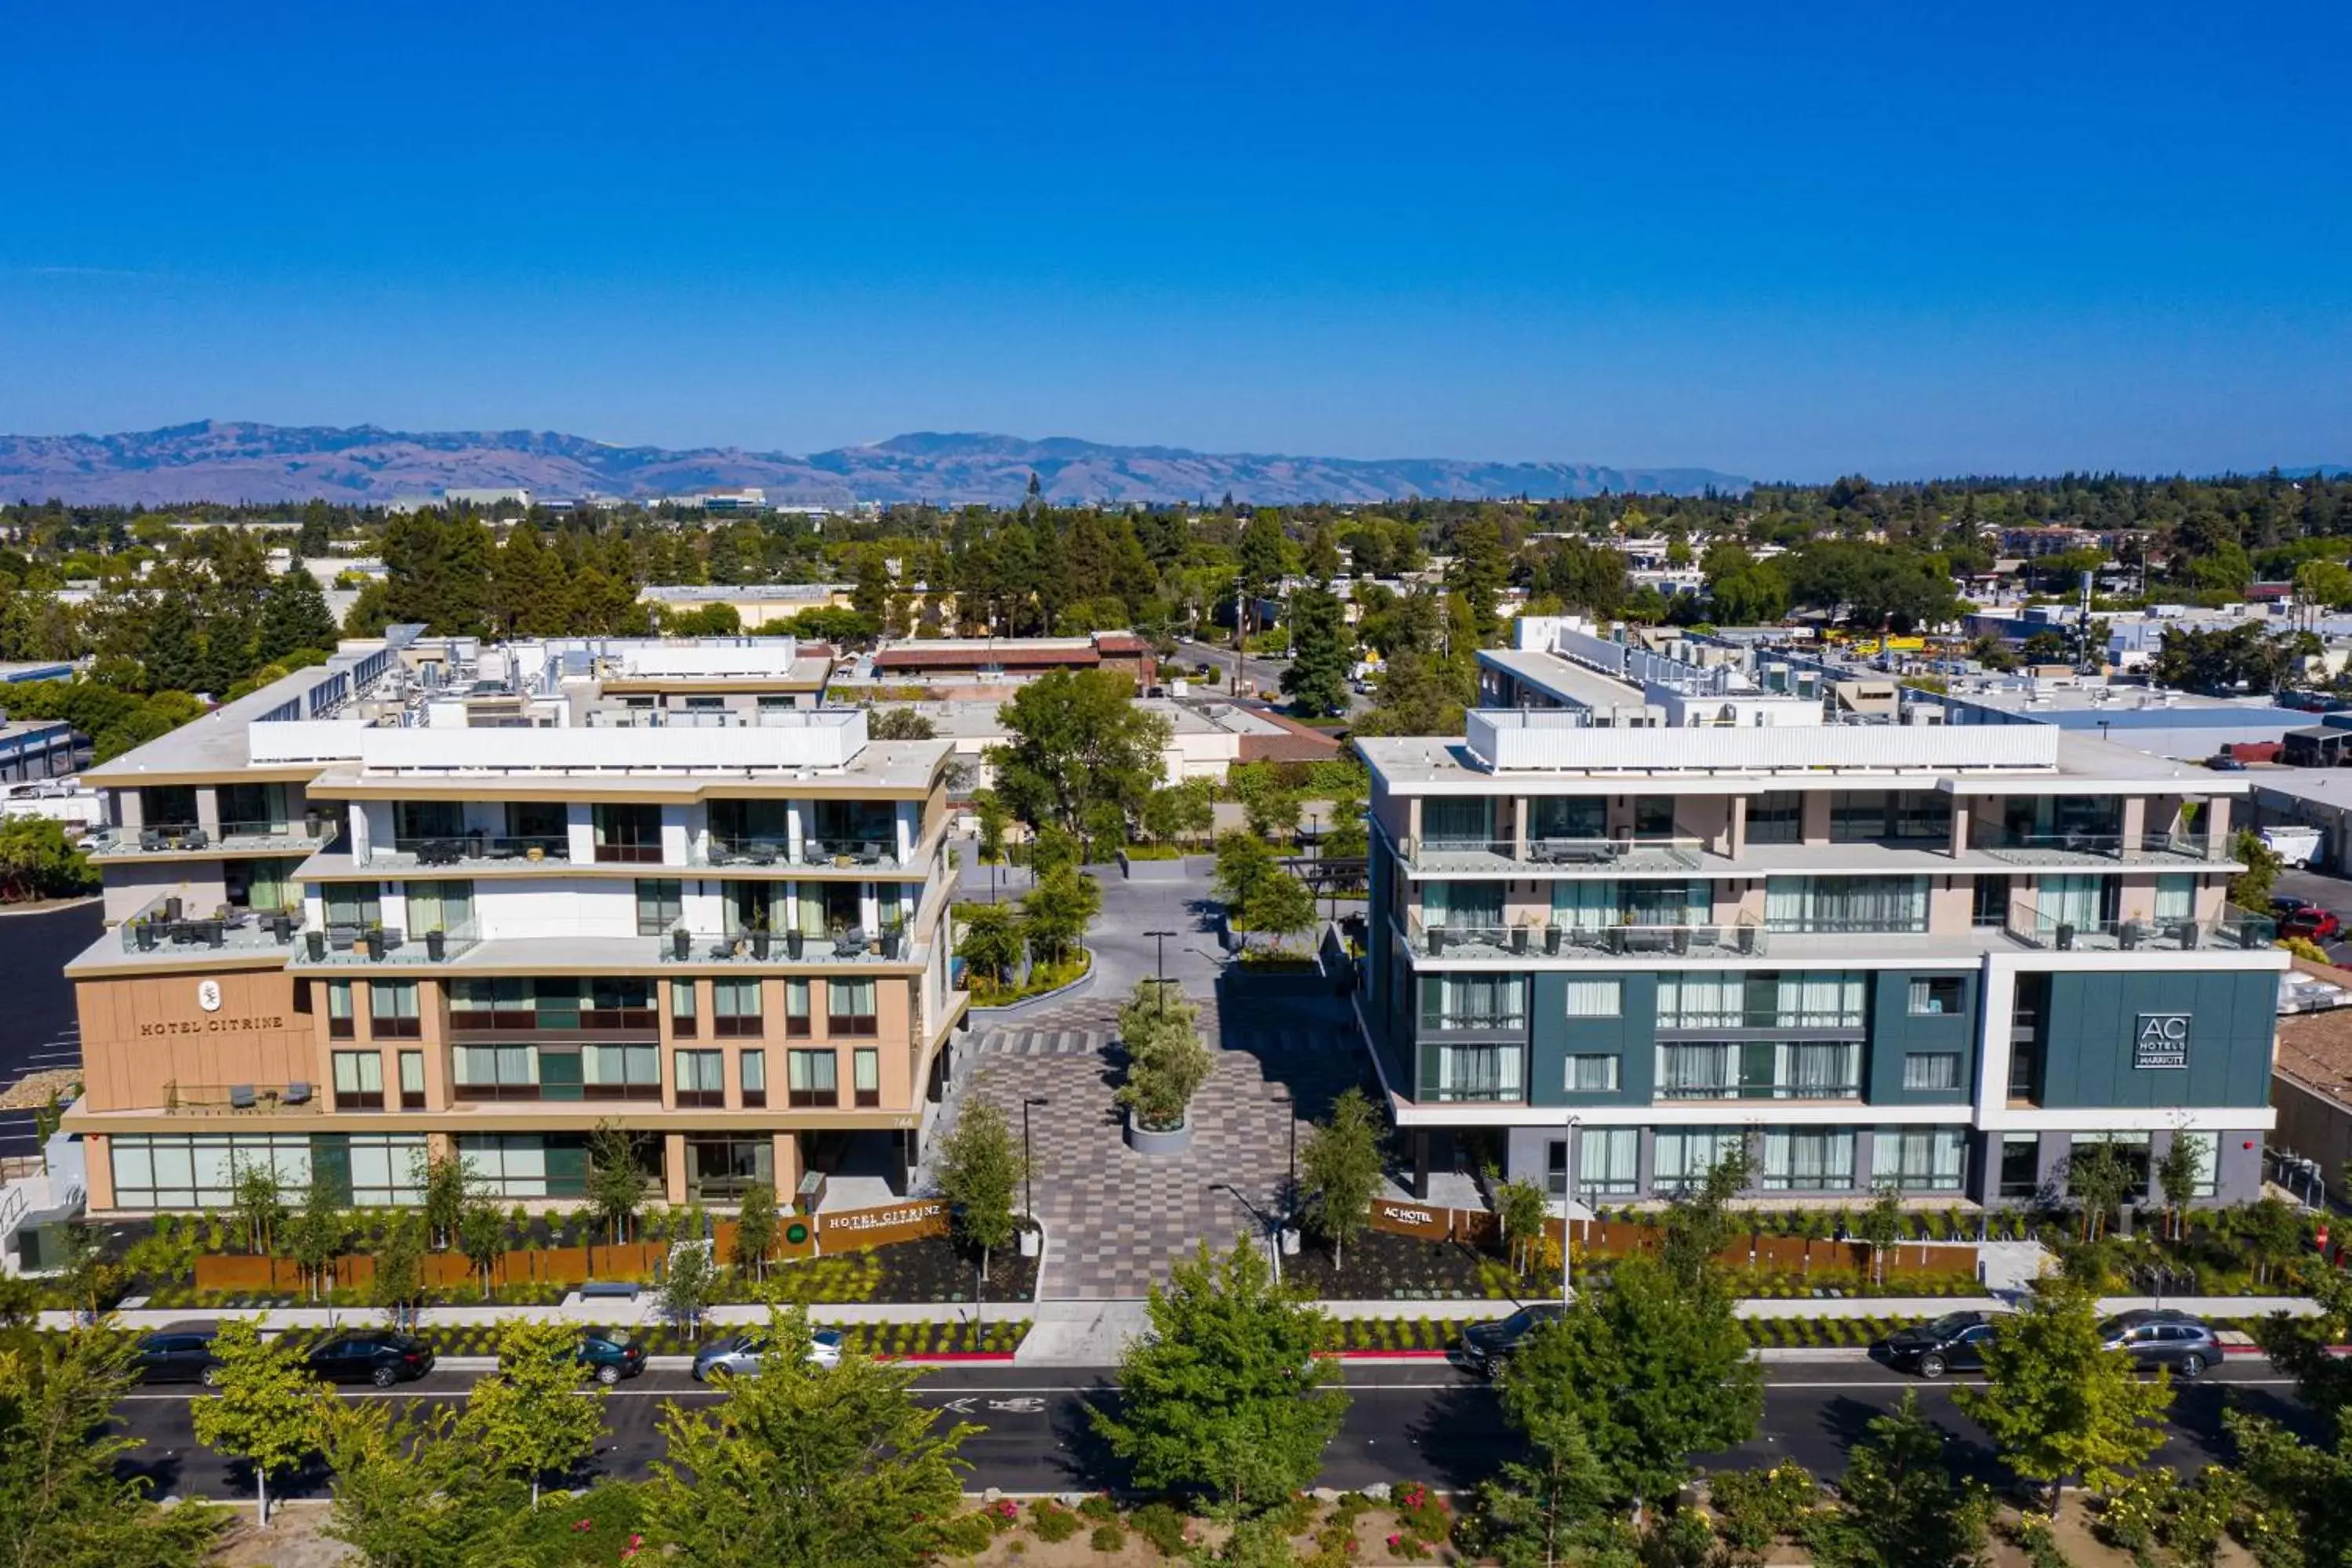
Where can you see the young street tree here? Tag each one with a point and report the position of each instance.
(1653, 1370)
(1076, 740)
(62, 1505)
(1283, 907)
(685, 1287)
(2179, 1171)
(1166, 1063)
(2057, 1403)
(405, 1495)
(757, 1225)
(1901, 1505)
(1341, 1171)
(443, 1179)
(319, 1232)
(1554, 1506)
(1225, 1395)
(1055, 913)
(265, 1407)
(992, 942)
(820, 1467)
(980, 1171)
(531, 1421)
(399, 1283)
(260, 1205)
(616, 1183)
(1521, 1207)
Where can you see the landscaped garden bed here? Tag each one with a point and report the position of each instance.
(960, 1337)
(1382, 1267)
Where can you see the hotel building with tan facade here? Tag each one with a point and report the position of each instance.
(441, 896)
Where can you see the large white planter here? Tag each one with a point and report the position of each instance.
(1174, 1140)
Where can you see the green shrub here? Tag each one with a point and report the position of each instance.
(1098, 1506)
(1162, 1526)
(1297, 1515)
(967, 1534)
(1050, 1522)
(1109, 1537)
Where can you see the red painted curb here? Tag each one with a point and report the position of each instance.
(1389, 1355)
(946, 1356)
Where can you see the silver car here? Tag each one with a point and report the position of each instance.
(738, 1356)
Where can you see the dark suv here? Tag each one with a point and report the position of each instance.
(178, 1355)
(1487, 1345)
(1953, 1343)
(2166, 1339)
(376, 1356)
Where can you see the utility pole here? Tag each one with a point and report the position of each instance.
(1568, 1226)
(1028, 1163)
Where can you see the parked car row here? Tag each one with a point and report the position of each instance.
(2296, 917)
(376, 1356)
(2175, 1341)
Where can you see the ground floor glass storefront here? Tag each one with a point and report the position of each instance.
(200, 1170)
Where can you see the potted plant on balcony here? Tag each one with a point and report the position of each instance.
(795, 940)
(316, 943)
(436, 945)
(310, 823)
(1551, 941)
(681, 944)
(894, 940)
(1521, 936)
(373, 940)
(760, 938)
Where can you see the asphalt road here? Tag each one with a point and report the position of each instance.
(2329, 893)
(1408, 1420)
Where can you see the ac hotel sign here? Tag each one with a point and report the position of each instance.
(2162, 1041)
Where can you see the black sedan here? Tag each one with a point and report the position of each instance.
(1953, 1343)
(1487, 1345)
(178, 1355)
(371, 1356)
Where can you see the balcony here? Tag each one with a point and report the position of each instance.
(341, 944)
(746, 947)
(1437, 856)
(237, 1099)
(2233, 928)
(231, 838)
(833, 854)
(466, 850)
(162, 928)
(556, 1024)
(2099, 848)
(1744, 938)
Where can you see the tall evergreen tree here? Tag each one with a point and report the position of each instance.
(173, 655)
(294, 616)
(1320, 658)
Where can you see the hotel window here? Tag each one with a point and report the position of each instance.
(627, 834)
(1608, 1162)
(2209, 1178)
(752, 1067)
(1837, 904)
(359, 1080)
(1556, 1167)
(1812, 1070)
(339, 1010)
(620, 1072)
(1859, 816)
(682, 1009)
(661, 906)
(1461, 906)
(1457, 822)
(1698, 1072)
(865, 1065)
(850, 1008)
(526, 1164)
(2086, 903)
(1572, 816)
(702, 1077)
(1654, 817)
(812, 1080)
(1472, 1001)
(796, 1008)
(356, 906)
(1931, 1072)
(1595, 998)
(2175, 896)
(1989, 901)
(1683, 1156)
(1776, 816)
(442, 906)
(1592, 1074)
(1476, 1072)
(392, 1010)
(2021, 1164)
(412, 1080)
(384, 1168)
(1922, 1160)
(1808, 1159)
(1936, 996)
(492, 1071)
(735, 1007)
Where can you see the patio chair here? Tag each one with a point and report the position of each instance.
(295, 1094)
(849, 943)
(240, 1097)
(195, 839)
(150, 839)
(869, 854)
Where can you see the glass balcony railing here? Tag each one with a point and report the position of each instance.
(164, 927)
(1438, 855)
(2064, 931)
(861, 854)
(227, 838)
(461, 849)
(2095, 848)
(336, 943)
(1742, 938)
(855, 946)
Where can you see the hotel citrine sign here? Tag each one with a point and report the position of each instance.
(2162, 1041)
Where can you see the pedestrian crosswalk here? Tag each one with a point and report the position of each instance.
(1068, 1041)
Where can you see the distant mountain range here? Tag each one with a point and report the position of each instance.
(216, 461)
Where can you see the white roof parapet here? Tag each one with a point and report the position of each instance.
(305, 741)
(768, 656)
(822, 740)
(1514, 739)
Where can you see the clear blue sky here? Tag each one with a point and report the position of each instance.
(1787, 240)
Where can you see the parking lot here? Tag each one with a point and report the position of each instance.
(2332, 893)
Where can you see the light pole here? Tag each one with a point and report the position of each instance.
(1290, 1182)
(1028, 1164)
(1272, 1242)
(1566, 1226)
(1160, 964)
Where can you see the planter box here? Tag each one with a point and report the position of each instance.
(1168, 870)
(1175, 1140)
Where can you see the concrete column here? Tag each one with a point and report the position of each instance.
(1518, 807)
(787, 1159)
(208, 815)
(1814, 820)
(127, 809)
(97, 1167)
(1961, 816)
(673, 1157)
(2135, 819)
(2217, 826)
(1738, 837)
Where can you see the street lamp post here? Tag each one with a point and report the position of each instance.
(1290, 1182)
(1028, 1163)
(1160, 964)
(1265, 1226)
(1567, 1227)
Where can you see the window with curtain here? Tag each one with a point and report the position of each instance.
(865, 1075)
(269, 886)
(735, 1006)
(392, 1010)
(1477, 1072)
(812, 1081)
(1595, 998)
(1936, 996)
(1921, 1159)
(1819, 999)
(495, 1067)
(1584, 905)
(359, 1080)
(615, 1072)
(682, 1009)
(1457, 821)
(1696, 999)
(661, 905)
(1667, 903)
(752, 1067)
(1808, 1159)
(1845, 903)
(701, 1076)
(440, 905)
(1684, 1155)
(2068, 900)
(357, 904)
(1809, 1069)
(1471, 1002)
(796, 1008)
(2175, 896)
(851, 1008)
(339, 1010)
(1698, 1072)
(1462, 905)
(1592, 1073)
(1931, 1072)
(1608, 1162)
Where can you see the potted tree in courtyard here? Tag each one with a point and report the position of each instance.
(1166, 1065)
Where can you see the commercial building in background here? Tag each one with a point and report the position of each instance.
(1663, 911)
(440, 896)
